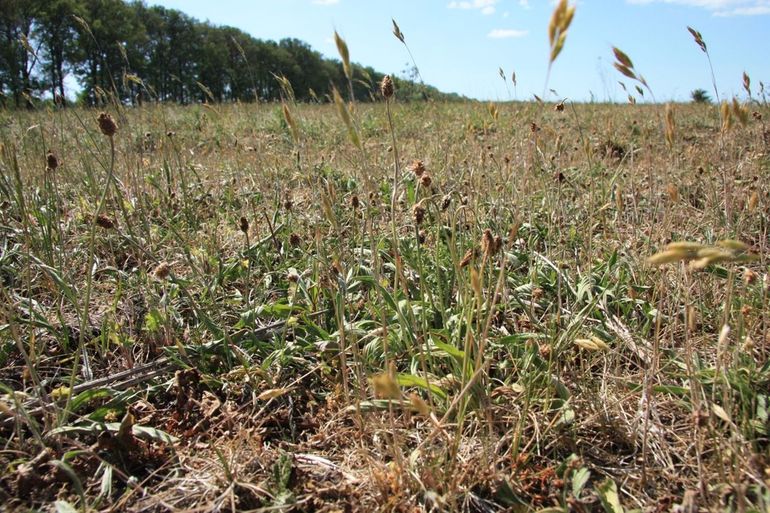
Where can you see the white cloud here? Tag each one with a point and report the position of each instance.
(485, 6)
(507, 33)
(524, 4)
(719, 7)
(326, 2)
(751, 10)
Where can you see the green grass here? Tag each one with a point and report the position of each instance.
(339, 354)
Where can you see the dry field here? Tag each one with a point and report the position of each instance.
(385, 307)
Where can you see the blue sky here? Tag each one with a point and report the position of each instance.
(459, 45)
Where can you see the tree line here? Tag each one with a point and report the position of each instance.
(145, 53)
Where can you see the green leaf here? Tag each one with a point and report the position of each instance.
(561, 389)
(65, 507)
(72, 475)
(567, 416)
(410, 380)
(449, 349)
(608, 494)
(114, 427)
(105, 489)
(84, 398)
(381, 404)
(153, 320)
(579, 480)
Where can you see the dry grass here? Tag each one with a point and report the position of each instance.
(490, 338)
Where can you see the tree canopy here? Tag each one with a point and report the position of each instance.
(142, 53)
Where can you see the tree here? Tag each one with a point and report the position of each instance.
(133, 52)
(700, 96)
(55, 29)
(17, 55)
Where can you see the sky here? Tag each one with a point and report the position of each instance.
(460, 45)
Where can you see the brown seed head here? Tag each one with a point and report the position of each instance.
(750, 277)
(469, 256)
(489, 244)
(445, 202)
(753, 201)
(288, 204)
(244, 225)
(51, 161)
(105, 222)
(673, 192)
(426, 180)
(417, 167)
(386, 86)
(162, 271)
(355, 202)
(106, 124)
(295, 240)
(418, 212)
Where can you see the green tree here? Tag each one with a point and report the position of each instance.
(55, 29)
(700, 96)
(17, 55)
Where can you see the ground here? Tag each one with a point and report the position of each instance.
(385, 307)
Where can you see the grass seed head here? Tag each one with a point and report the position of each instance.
(244, 225)
(106, 124)
(287, 115)
(417, 167)
(513, 231)
(490, 244)
(342, 48)
(104, 222)
(557, 28)
(445, 202)
(418, 212)
(673, 192)
(592, 344)
(740, 112)
(162, 271)
(386, 87)
(727, 116)
(622, 57)
(397, 31)
(51, 161)
(753, 201)
(670, 125)
(468, 257)
(698, 38)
